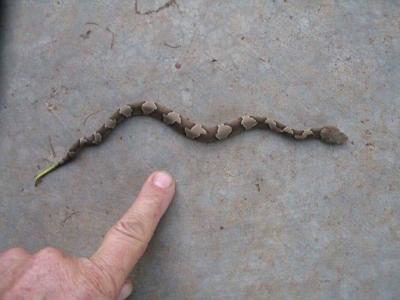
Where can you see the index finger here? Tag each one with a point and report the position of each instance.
(127, 240)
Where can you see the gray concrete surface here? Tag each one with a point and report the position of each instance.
(256, 217)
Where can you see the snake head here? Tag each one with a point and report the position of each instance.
(333, 136)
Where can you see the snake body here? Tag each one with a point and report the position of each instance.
(192, 130)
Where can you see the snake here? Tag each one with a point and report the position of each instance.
(192, 130)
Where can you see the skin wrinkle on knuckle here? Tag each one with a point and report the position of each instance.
(133, 229)
(98, 277)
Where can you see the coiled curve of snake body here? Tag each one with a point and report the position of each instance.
(192, 130)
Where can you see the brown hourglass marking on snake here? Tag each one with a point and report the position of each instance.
(192, 130)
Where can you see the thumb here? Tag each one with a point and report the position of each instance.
(127, 240)
(126, 290)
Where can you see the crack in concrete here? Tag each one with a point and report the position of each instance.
(89, 115)
(154, 11)
(171, 46)
(112, 37)
(53, 153)
(69, 215)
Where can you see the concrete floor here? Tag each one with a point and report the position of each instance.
(256, 217)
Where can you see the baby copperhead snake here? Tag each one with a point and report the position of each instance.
(192, 130)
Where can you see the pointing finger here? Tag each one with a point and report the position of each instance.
(127, 240)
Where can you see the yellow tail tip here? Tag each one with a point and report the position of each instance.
(44, 172)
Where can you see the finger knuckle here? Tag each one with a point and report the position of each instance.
(49, 252)
(134, 228)
(98, 278)
(14, 253)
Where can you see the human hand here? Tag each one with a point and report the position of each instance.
(51, 274)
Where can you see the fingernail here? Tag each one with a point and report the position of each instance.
(125, 291)
(162, 180)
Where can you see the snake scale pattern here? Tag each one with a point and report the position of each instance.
(192, 130)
